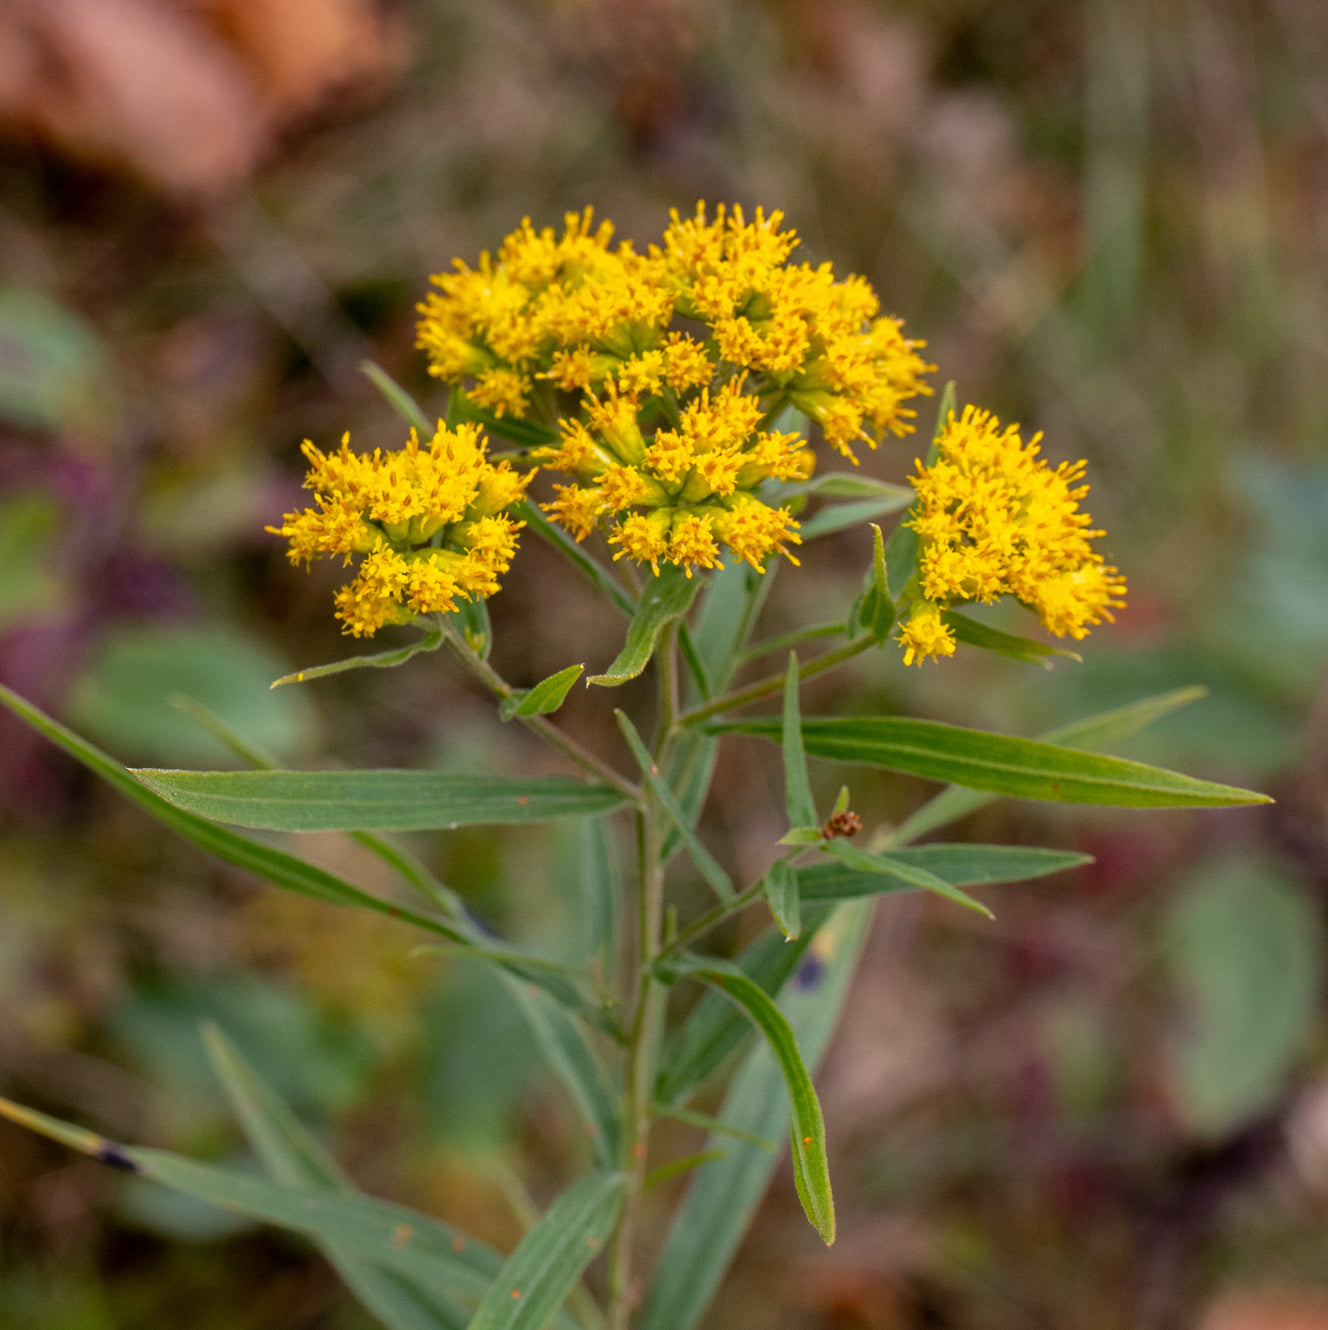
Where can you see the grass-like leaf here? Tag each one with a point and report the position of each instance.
(377, 800)
(1029, 649)
(811, 1169)
(1001, 764)
(665, 598)
(378, 660)
(542, 1271)
(959, 865)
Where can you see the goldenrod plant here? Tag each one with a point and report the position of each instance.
(654, 417)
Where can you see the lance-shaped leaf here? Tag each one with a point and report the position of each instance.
(542, 700)
(294, 1158)
(377, 800)
(780, 885)
(1098, 731)
(378, 660)
(841, 516)
(440, 1260)
(960, 865)
(977, 634)
(811, 1169)
(665, 598)
(719, 1204)
(285, 870)
(918, 878)
(797, 789)
(713, 1028)
(1025, 768)
(565, 1048)
(705, 862)
(542, 1271)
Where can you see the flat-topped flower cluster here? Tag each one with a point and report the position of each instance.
(660, 379)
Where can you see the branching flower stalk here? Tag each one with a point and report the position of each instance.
(665, 408)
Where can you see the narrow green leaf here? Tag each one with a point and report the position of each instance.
(600, 888)
(960, 865)
(852, 485)
(598, 575)
(875, 611)
(691, 767)
(1095, 732)
(398, 399)
(567, 1051)
(729, 607)
(441, 1261)
(977, 634)
(713, 1029)
(665, 598)
(911, 874)
(781, 893)
(542, 1271)
(811, 1169)
(721, 1199)
(840, 516)
(285, 870)
(802, 836)
(706, 863)
(1026, 768)
(797, 789)
(695, 665)
(294, 1158)
(515, 429)
(379, 660)
(381, 800)
(542, 700)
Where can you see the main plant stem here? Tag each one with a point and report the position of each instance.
(648, 1011)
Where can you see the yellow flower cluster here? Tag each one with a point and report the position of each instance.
(693, 481)
(994, 519)
(429, 521)
(700, 341)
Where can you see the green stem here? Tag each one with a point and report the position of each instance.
(774, 682)
(541, 725)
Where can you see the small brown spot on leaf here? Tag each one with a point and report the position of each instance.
(401, 1235)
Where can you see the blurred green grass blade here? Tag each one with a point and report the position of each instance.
(840, 516)
(398, 399)
(707, 865)
(998, 763)
(542, 1271)
(729, 605)
(663, 599)
(378, 660)
(798, 800)
(285, 870)
(439, 1259)
(780, 884)
(379, 800)
(1098, 731)
(600, 886)
(921, 879)
(811, 1168)
(719, 1204)
(1028, 649)
(599, 576)
(960, 865)
(294, 1158)
(563, 1043)
(713, 1029)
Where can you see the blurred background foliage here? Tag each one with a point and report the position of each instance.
(1110, 222)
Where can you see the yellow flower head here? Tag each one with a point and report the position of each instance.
(926, 634)
(429, 520)
(994, 519)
